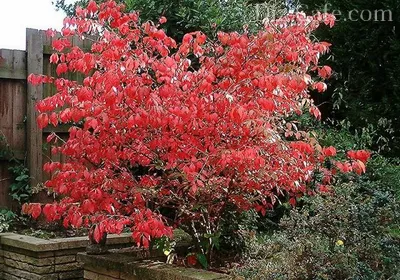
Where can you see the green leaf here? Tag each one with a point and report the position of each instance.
(14, 187)
(202, 260)
(215, 241)
(21, 177)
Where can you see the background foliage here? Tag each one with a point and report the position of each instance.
(366, 58)
(209, 16)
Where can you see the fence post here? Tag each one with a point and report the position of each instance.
(34, 61)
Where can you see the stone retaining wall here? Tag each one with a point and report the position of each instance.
(125, 266)
(29, 258)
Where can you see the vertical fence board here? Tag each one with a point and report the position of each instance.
(5, 140)
(12, 114)
(19, 118)
(34, 48)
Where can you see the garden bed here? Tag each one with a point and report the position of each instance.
(30, 258)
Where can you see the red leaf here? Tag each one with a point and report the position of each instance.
(320, 86)
(191, 260)
(88, 206)
(42, 120)
(329, 151)
(92, 7)
(325, 72)
(267, 104)
(76, 220)
(49, 211)
(61, 68)
(35, 210)
(54, 58)
(54, 119)
(35, 79)
(50, 32)
(97, 234)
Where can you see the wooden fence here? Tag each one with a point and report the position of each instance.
(18, 126)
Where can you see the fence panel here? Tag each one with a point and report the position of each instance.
(18, 127)
(12, 116)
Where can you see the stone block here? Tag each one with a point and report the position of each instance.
(161, 271)
(67, 252)
(21, 274)
(6, 276)
(67, 266)
(90, 275)
(35, 254)
(29, 259)
(76, 274)
(28, 267)
(29, 243)
(41, 245)
(126, 276)
(65, 259)
(104, 271)
(71, 242)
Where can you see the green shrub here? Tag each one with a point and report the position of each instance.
(353, 234)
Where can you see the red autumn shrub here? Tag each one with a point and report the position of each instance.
(151, 131)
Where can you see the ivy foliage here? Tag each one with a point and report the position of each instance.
(20, 189)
